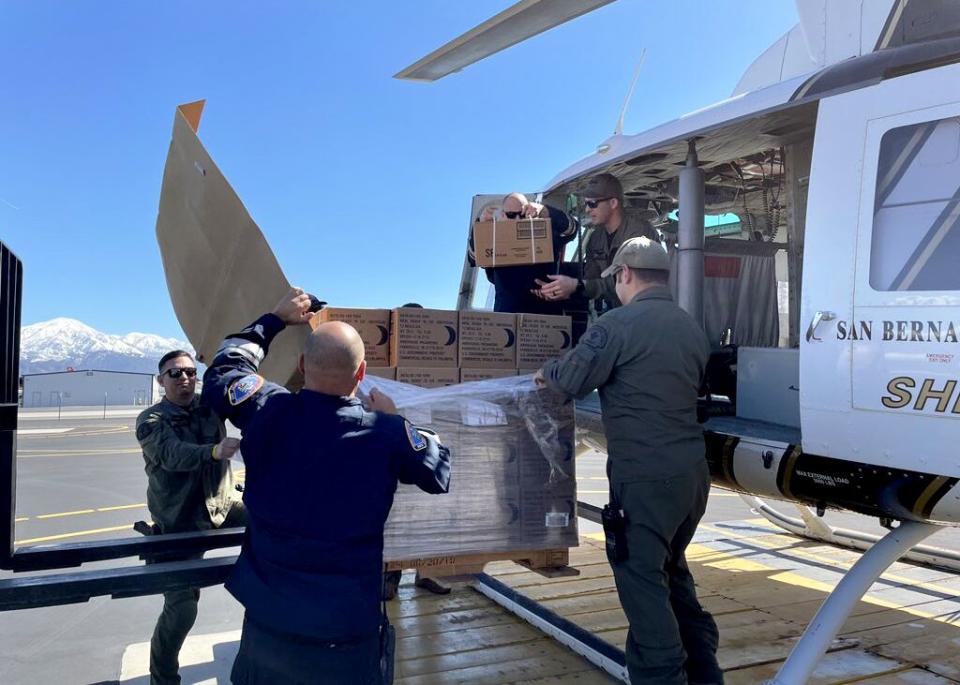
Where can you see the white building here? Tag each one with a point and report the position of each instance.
(89, 388)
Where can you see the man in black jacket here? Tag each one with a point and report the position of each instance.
(512, 284)
(321, 475)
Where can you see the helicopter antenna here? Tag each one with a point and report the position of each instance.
(618, 129)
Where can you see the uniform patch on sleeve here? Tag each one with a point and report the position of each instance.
(417, 441)
(596, 337)
(244, 388)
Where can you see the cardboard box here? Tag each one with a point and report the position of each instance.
(509, 242)
(470, 375)
(373, 325)
(423, 338)
(388, 372)
(488, 340)
(541, 337)
(427, 377)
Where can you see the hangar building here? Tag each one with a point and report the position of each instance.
(89, 388)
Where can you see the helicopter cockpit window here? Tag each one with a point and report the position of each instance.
(916, 221)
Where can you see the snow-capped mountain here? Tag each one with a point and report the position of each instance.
(60, 343)
(154, 345)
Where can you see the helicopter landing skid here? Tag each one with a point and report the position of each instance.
(836, 608)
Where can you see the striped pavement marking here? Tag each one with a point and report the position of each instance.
(34, 454)
(75, 534)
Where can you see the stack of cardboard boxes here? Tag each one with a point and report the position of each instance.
(505, 494)
(514, 477)
(433, 348)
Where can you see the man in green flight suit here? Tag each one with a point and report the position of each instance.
(610, 228)
(648, 358)
(189, 488)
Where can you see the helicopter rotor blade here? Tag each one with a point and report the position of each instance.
(515, 24)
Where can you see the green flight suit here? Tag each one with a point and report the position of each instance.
(187, 490)
(600, 247)
(647, 358)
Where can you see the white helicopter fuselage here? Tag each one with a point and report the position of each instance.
(840, 151)
(879, 386)
(872, 169)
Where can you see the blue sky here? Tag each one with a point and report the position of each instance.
(361, 183)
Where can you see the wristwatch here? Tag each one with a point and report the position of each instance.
(581, 289)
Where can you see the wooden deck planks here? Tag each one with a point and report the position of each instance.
(591, 677)
(551, 667)
(411, 602)
(762, 588)
(934, 645)
(435, 624)
(435, 644)
(913, 676)
(510, 661)
(530, 579)
(466, 638)
(842, 666)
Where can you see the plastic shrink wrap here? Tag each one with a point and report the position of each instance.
(513, 482)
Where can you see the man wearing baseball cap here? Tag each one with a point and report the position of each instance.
(647, 358)
(603, 197)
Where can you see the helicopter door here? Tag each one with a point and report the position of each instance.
(889, 365)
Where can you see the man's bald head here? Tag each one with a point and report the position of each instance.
(332, 359)
(514, 202)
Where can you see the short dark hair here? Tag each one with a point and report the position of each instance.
(173, 354)
(652, 275)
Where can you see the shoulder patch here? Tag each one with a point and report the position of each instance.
(595, 338)
(244, 388)
(417, 441)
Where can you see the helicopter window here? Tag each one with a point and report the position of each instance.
(916, 221)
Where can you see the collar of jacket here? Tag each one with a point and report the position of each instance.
(189, 409)
(657, 292)
(621, 229)
(336, 400)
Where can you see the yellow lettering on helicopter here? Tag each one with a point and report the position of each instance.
(898, 387)
(942, 396)
(901, 394)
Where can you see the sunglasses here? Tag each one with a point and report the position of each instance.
(175, 373)
(514, 215)
(593, 204)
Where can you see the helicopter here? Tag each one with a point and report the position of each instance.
(834, 309)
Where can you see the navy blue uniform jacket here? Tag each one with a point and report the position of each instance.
(321, 475)
(512, 284)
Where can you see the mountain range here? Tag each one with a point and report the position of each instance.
(62, 343)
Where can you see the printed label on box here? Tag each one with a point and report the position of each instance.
(488, 340)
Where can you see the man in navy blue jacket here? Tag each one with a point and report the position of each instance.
(513, 284)
(321, 475)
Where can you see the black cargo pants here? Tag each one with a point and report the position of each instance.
(178, 616)
(672, 639)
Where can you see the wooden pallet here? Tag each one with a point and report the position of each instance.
(547, 562)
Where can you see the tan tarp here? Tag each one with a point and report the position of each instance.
(220, 271)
